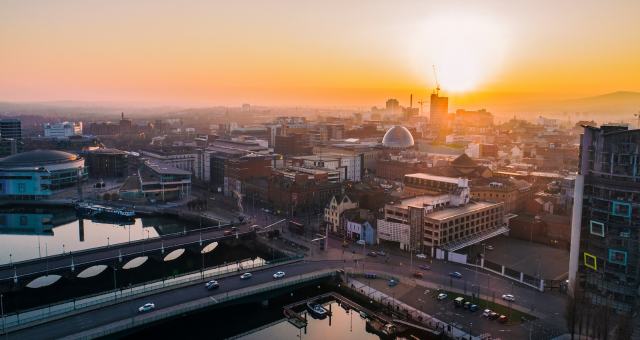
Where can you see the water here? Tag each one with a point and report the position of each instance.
(342, 325)
(28, 232)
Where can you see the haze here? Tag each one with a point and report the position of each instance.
(315, 53)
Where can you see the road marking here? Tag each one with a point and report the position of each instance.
(213, 299)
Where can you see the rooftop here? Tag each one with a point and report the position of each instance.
(37, 158)
(457, 211)
(165, 169)
(453, 180)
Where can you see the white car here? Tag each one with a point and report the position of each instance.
(278, 275)
(490, 247)
(146, 307)
(421, 256)
(508, 297)
(442, 296)
(213, 284)
(245, 276)
(486, 313)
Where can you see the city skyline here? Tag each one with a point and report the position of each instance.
(335, 53)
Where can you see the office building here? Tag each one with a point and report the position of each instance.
(604, 257)
(63, 129)
(439, 107)
(10, 137)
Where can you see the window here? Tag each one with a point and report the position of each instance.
(618, 257)
(21, 187)
(590, 261)
(596, 228)
(621, 209)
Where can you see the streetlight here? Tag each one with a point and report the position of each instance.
(2, 310)
(107, 241)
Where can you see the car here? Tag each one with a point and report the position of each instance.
(245, 276)
(372, 254)
(418, 275)
(467, 305)
(392, 283)
(455, 275)
(147, 307)
(370, 275)
(486, 313)
(381, 253)
(489, 247)
(234, 228)
(424, 267)
(421, 256)
(503, 319)
(442, 296)
(278, 275)
(227, 232)
(508, 297)
(213, 284)
(361, 242)
(473, 308)
(254, 227)
(493, 316)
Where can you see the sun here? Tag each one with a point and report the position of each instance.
(466, 49)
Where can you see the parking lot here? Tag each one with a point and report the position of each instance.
(536, 260)
(445, 310)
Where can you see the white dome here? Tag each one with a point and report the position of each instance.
(398, 137)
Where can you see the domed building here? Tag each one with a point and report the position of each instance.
(37, 174)
(397, 137)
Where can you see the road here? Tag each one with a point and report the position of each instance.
(97, 255)
(163, 301)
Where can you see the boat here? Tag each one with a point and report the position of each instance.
(104, 212)
(316, 310)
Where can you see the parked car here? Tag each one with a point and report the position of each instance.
(147, 307)
(392, 283)
(503, 319)
(361, 242)
(459, 301)
(467, 305)
(442, 296)
(489, 247)
(372, 254)
(455, 275)
(508, 297)
(418, 275)
(370, 275)
(245, 276)
(381, 253)
(493, 316)
(473, 308)
(213, 284)
(421, 256)
(278, 275)
(424, 267)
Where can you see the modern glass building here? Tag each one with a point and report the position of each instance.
(38, 174)
(605, 253)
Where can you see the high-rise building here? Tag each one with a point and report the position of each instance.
(605, 253)
(10, 137)
(438, 112)
(392, 106)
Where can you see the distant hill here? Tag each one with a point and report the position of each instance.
(616, 102)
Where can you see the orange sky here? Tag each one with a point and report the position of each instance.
(314, 53)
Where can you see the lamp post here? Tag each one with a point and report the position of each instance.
(107, 241)
(2, 310)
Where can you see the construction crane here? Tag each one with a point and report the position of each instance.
(435, 75)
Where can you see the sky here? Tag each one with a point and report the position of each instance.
(320, 53)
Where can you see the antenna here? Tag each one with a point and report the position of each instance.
(435, 75)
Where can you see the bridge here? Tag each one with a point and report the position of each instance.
(12, 274)
(119, 315)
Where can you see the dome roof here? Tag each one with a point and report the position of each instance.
(464, 161)
(398, 137)
(38, 157)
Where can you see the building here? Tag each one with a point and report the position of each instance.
(349, 165)
(63, 129)
(107, 163)
(239, 171)
(605, 253)
(10, 137)
(295, 144)
(443, 217)
(439, 111)
(334, 209)
(358, 224)
(156, 182)
(35, 175)
(181, 158)
(290, 191)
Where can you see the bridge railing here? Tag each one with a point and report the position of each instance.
(25, 317)
(140, 320)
